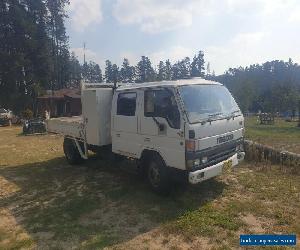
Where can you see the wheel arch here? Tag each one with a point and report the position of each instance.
(148, 153)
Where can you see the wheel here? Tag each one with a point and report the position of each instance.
(157, 175)
(71, 152)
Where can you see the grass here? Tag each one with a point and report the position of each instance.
(47, 204)
(282, 135)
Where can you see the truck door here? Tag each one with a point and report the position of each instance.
(161, 126)
(125, 119)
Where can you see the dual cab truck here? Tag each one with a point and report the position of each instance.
(188, 130)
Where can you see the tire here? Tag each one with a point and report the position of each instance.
(157, 175)
(71, 152)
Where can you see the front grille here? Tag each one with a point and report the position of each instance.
(216, 158)
(217, 154)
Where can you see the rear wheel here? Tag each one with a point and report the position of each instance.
(157, 175)
(71, 152)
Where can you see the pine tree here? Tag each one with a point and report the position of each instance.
(168, 70)
(108, 71)
(161, 71)
(197, 67)
(185, 68)
(176, 71)
(115, 73)
(145, 71)
(74, 72)
(59, 40)
(94, 73)
(127, 72)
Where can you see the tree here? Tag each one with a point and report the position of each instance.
(185, 68)
(162, 74)
(74, 72)
(176, 71)
(197, 67)
(145, 71)
(127, 72)
(115, 73)
(168, 70)
(59, 41)
(94, 73)
(108, 71)
(271, 87)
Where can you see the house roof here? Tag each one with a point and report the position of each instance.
(62, 93)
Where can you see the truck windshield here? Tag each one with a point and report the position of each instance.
(203, 102)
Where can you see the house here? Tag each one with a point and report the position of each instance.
(63, 102)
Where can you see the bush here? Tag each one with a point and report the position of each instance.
(27, 114)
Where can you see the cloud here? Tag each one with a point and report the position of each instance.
(295, 15)
(241, 50)
(85, 13)
(153, 16)
(156, 16)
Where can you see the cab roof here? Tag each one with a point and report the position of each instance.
(182, 82)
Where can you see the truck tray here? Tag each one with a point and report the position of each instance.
(67, 126)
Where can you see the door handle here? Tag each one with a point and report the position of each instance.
(118, 135)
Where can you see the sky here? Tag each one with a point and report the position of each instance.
(231, 33)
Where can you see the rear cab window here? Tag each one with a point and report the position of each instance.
(126, 104)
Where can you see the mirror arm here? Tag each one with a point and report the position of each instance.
(159, 125)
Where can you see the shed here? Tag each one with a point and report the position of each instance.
(60, 103)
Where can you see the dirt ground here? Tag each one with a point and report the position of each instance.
(47, 204)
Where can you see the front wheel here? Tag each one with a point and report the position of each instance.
(71, 152)
(157, 176)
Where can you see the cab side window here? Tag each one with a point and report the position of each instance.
(161, 103)
(126, 104)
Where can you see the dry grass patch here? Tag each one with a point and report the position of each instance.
(47, 204)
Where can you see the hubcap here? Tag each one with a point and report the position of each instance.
(154, 175)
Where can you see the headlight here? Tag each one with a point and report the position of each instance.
(193, 163)
(204, 160)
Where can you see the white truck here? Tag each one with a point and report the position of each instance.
(189, 130)
(6, 117)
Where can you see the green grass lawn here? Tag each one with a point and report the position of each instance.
(282, 135)
(47, 204)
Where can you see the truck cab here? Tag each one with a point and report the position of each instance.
(187, 130)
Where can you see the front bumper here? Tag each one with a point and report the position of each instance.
(215, 170)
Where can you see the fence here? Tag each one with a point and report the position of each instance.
(262, 153)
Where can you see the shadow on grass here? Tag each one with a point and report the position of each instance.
(94, 205)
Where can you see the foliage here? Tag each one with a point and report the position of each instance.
(34, 52)
(27, 114)
(34, 57)
(270, 87)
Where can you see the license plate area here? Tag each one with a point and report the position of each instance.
(227, 165)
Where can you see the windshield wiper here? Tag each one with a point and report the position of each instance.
(214, 115)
